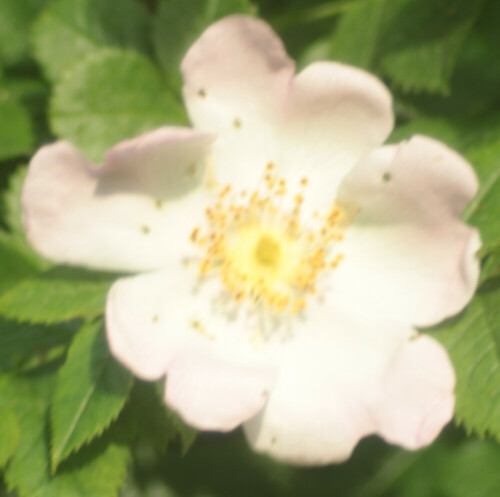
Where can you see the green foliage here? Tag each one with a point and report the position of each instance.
(111, 95)
(471, 470)
(441, 129)
(15, 20)
(11, 200)
(180, 22)
(356, 39)
(491, 267)
(476, 77)
(484, 211)
(473, 342)
(453, 468)
(9, 434)
(97, 471)
(90, 393)
(147, 419)
(17, 263)
(19, 341)
(486, 214)
(415, 44)
(16, 135)
(56, 295)
(423, 41)
(20, 260)
(87, 25)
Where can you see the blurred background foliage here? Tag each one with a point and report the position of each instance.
(73, 423)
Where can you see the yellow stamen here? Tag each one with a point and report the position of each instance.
(265, 254)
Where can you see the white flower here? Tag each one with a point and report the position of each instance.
(287, 260)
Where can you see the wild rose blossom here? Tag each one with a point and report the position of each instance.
(287, 256)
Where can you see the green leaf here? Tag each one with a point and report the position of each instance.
(11, 204)
(476, 76)
(441, 129)
(18, 341)
(423, 41)
(484, 210)
(473, 342)
(448, 468)
(471, 470)
(87, 25)
(491, 266)
(16, 262)
(357, 36)
(179, 23)
(97, 471)
(57, 295)
(11, 199)
(485, 213)
(16, 135)
(148, 419)
(15, 20)
(186, 434)
(31, 91)
(91, 391)
(9, 434)
(111, 95)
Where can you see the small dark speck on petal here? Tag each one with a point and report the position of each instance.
(145, 229)
(237, 123)
(387, 177)
(273, 440)
(202, 93)
(158, 203)
(156, 318)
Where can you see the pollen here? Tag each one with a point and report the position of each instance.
(262, 250)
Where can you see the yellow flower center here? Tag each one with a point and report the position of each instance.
(268, 251)
(263, 251)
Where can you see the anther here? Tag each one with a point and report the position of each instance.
(194, 234)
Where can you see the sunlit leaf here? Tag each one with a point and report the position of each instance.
(111, 95)
(91, 390)
(87, 25)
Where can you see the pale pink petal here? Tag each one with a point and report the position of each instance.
(238, 68)
(211, 393)
(415, 398)
(334, 115)
(236, 77)
(320, 406)
(239, 84)
(166, 323)
(124, 214)
(407, 253)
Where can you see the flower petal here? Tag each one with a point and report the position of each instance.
(334, 115)
(235, 80)
(164, 323)
(320, 406)
(239, 83)
(407, 253)
(214, 394)
(124, 214)
(415, 399)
